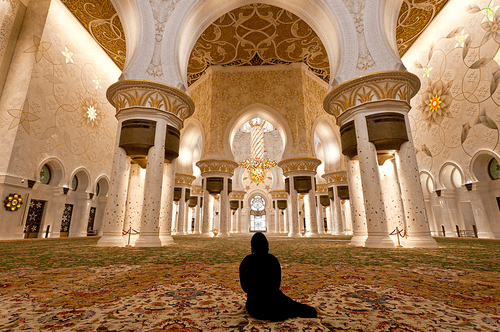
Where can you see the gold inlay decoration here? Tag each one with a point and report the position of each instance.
(413, 19)
(249, 39)
(258, 34)
(102, 22)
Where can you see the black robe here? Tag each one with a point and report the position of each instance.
(260, 277)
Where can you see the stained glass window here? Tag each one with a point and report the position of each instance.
(45, 174)
(257, 214)
(494, 169)
(74, 183)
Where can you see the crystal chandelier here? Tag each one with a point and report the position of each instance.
(257, 164)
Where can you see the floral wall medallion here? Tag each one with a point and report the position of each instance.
(457, 110)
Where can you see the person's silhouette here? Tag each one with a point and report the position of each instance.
(260, 278)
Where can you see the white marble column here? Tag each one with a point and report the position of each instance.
(114, 214)
(80, 219)
(329, 221)
(412, 195)
(135, 199)
(205, 226)
(392, 198)
(479, 211)
(359, 228)
(239, 227)
(276, 217)
(224, 216)
(293, 203)
(167, 202)
(99, 215)
(182, 216)
(378, 231)
(197, 218)
(55, 208)
(313, 217)
(150, 225)
(339, 228)
(319, 214)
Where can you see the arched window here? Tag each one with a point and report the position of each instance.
(258, 214)
(74, 183)
(494, 169)
(45, 174)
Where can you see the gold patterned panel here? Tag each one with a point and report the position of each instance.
(138, 93)
(217, 165)
(255, 34)
(389, 85)
(181, 178)
(299, 164)
(258, 34)
(102, 22)
(335, 177)
(413, 19)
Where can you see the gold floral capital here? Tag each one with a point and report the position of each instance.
(335, 177)
(149, 94)
(387, 85)
(278, 194)
(321, 188)
(196, 190)
(217, 165)
(237, 195)
(299, 164)
(181, 178)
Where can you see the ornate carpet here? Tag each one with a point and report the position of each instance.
(205, 296)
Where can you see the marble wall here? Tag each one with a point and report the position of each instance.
(456, 114)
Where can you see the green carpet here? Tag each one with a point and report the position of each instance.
(72, 285)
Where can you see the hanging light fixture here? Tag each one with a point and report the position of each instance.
(257, 165)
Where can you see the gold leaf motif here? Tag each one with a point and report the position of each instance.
(258, 34)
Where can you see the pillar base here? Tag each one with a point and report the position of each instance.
(379, 241)
(207, 235)
(358, 240)
(82, 234)
(111, 240)
(294, 235)
(420, 241)
(148, 241)
(166, 240)
(486, 235)
(309, 234)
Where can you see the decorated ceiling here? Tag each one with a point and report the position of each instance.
(251, 35)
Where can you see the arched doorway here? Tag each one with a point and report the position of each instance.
(258, 214)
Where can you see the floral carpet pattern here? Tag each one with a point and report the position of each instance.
(205, 296)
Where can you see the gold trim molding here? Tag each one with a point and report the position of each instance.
(299, 164)
(278, 194)
(334, 177)
(217, 165)
(196, 190)
(237, 195)
(321, 188)
(181, 178)
(387, 85)
(141, 93)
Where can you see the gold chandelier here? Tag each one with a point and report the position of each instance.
(257, 164)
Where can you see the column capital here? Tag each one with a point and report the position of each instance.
(386, 85)
(299, 165)
(322, 189)
(196, 190)
(217, 167)
(150, 95)
(277, 194)
(334, 177)
(237, 195)
(185, 179)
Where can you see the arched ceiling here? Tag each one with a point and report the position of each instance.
(253, 41)
(258, 34)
